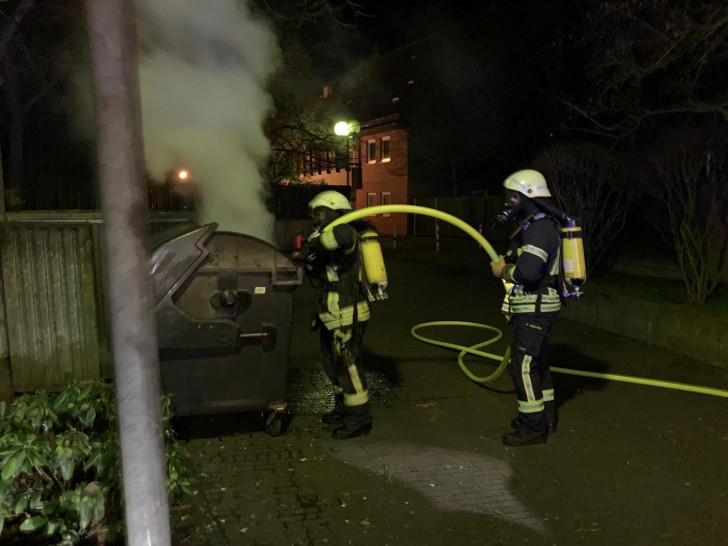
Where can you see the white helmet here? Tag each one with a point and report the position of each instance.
(528, 182)
(330, 199)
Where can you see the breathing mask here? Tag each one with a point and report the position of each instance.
(323, 216)
(511, 207)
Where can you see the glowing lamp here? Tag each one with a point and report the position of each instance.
(341, 128)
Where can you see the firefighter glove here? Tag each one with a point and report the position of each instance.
(499, 267)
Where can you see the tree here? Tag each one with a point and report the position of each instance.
(649, 60)
(587, 182)
(35, 77)
(691, 192)
(344, 12)
(318, 42)
(14, 18)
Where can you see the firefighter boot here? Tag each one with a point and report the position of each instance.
(349, 430)
(336, 416)
(357, 422)
(525, 437)
(530, 429)
(552, 416)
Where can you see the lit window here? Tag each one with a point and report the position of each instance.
(386, 200)
(384, 149)
(371, 151)
(371, 199)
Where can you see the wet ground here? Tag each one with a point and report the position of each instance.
(629, 464)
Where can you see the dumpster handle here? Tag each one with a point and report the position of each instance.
(298, 280)
(254, 335)
(267, 336)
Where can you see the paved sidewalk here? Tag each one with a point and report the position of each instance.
(629, 464)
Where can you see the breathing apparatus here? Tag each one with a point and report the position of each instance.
(527, 194)
(374, 279)
(511, 207)
(325, 208)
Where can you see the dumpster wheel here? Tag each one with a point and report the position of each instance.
(274, 422)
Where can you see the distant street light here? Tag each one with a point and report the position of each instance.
(342, 128)
(183, 174)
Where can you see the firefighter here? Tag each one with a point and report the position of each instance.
(531, 267)
(333, 261)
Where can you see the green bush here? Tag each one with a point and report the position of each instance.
(60, 464)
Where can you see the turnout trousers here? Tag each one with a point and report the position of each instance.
(341, 350)
(530, 369)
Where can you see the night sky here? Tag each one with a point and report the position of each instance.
(484, 87)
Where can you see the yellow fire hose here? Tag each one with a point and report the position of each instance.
(474, 350)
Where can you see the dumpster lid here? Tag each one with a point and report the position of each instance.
(206, 249)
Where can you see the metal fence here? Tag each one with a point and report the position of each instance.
(476, 211)
(290, 201)
(285, 201)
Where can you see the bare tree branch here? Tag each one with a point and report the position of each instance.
(649, 59)
(12, 26)
(587, 184)
(695, 199)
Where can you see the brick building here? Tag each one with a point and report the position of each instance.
(381, 149)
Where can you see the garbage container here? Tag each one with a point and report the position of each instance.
(223, 309)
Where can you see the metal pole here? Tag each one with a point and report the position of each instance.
(125, 208)
(414, 220)
(348, 162)
(437, 231)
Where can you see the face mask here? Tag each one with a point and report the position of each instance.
(510, 207)
(322, 216)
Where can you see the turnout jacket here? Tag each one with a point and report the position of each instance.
(533, 270)
(337, 268)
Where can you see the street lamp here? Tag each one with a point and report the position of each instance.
(342, 128)
(345, 129)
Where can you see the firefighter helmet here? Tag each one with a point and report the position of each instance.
(330, 199)
(528, 182)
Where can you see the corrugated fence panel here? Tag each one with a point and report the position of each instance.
(54, 278)
(51, 304)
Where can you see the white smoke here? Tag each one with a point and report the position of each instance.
(203, 68)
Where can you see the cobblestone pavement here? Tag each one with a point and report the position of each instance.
(629, 464)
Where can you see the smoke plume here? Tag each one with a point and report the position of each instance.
(203, 68)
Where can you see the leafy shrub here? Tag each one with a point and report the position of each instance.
(60, 464)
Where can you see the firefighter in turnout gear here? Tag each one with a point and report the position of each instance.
(333, 262)
(531, 271)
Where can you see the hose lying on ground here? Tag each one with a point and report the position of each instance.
(474, 350)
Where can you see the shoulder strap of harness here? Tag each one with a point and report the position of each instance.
(546, 279)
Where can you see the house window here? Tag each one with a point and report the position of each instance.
(371, 199)
(384, 149)
(386, 199)
(371, 151)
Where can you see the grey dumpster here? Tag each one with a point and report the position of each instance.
(223, 308)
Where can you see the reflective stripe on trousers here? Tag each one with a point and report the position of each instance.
(341, 352)
(530, 369)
